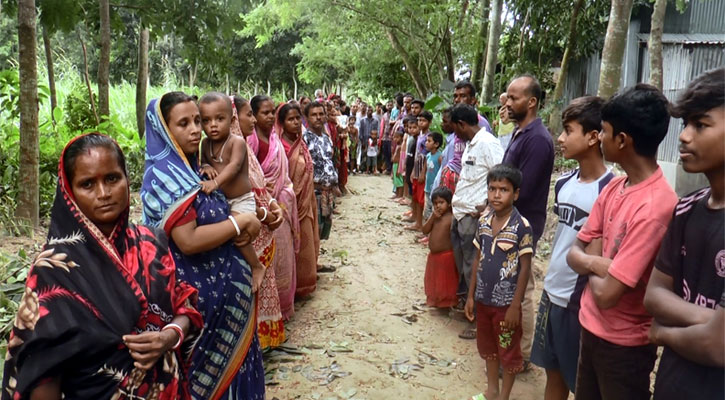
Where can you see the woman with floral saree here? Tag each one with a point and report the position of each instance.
(269, 328)
(226, 361)
(267, 146)
(301, 172)
(102, 316)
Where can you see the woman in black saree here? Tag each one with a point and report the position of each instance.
(103, 315)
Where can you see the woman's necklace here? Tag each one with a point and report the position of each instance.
(221, 152)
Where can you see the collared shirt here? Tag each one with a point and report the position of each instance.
(532, 151)
(385, 128)
(499, 266)
(481, 153)
(631, 221)
(367, 125)
(320, 147)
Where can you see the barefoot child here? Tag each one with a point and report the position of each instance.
(415, 187)
(432, 164)
(372, 153)
(224, 162)
(397, 178)
(441, 275)
(501, 271)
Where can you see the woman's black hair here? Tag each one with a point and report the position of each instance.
(239, 102)
(169, 100)
(257, 101)
(285, 109)
(85, 143)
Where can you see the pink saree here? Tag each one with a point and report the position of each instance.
(279, 186)
(270, 327)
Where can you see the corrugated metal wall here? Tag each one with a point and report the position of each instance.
(682, 63)
(707, 16)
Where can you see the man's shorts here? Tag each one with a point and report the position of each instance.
(495, 342)
(556, 340)
(418, 192)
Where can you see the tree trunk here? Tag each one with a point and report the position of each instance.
(523, 30)
(655, 43)
(294, 79)
(555, 116)
(51, 73)
(142, 80)
(614, 45)
(87, 79)
(28, 207)
(104, 59)
(448, 49)
(480, 58)
(410, 66)
(494, 32)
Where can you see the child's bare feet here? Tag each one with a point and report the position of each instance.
(491, 395)
(414, 227)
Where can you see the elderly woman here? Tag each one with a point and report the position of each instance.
(226, 361)
(103, 315)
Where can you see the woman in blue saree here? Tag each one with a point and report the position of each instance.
(226, 361)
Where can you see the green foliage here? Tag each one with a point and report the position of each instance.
(78, 110)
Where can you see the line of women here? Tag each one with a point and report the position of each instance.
(112, 310)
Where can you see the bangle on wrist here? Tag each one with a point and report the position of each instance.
(266, 213)
(178, 330)
(236, 225)
(272, 200)
(216, 183)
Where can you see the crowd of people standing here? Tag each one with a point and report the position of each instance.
(238, 193)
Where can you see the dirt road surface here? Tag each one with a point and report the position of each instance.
(369, 318)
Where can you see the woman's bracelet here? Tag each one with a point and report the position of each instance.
(266, 213)
(236, 225)
(216, 183)
(272, 200)
(178, 330)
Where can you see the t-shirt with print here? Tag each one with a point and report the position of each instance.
(573, 200)
(693, 254)
(372, 148)
(433, 164)
(631, 221)
(499, 266)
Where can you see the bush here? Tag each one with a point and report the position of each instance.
(78, 111)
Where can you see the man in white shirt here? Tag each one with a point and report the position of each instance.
(482, 152)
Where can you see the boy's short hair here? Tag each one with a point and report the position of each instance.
(641, 112)
(212, 97)
(447, 110)
(587, 111)
(398, 133)
(507, 172)
(418, 101)
(442, 192)
(410, 119)
(352, 117)
(313, 104)
(704, 93)
(427, 115)
(464, 113)
(437, 138)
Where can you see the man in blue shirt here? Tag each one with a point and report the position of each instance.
(531, 151)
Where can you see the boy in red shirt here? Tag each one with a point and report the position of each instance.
(625, 228)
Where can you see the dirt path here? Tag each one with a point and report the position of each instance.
(353, 311)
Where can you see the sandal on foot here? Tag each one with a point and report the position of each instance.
(468, 333)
